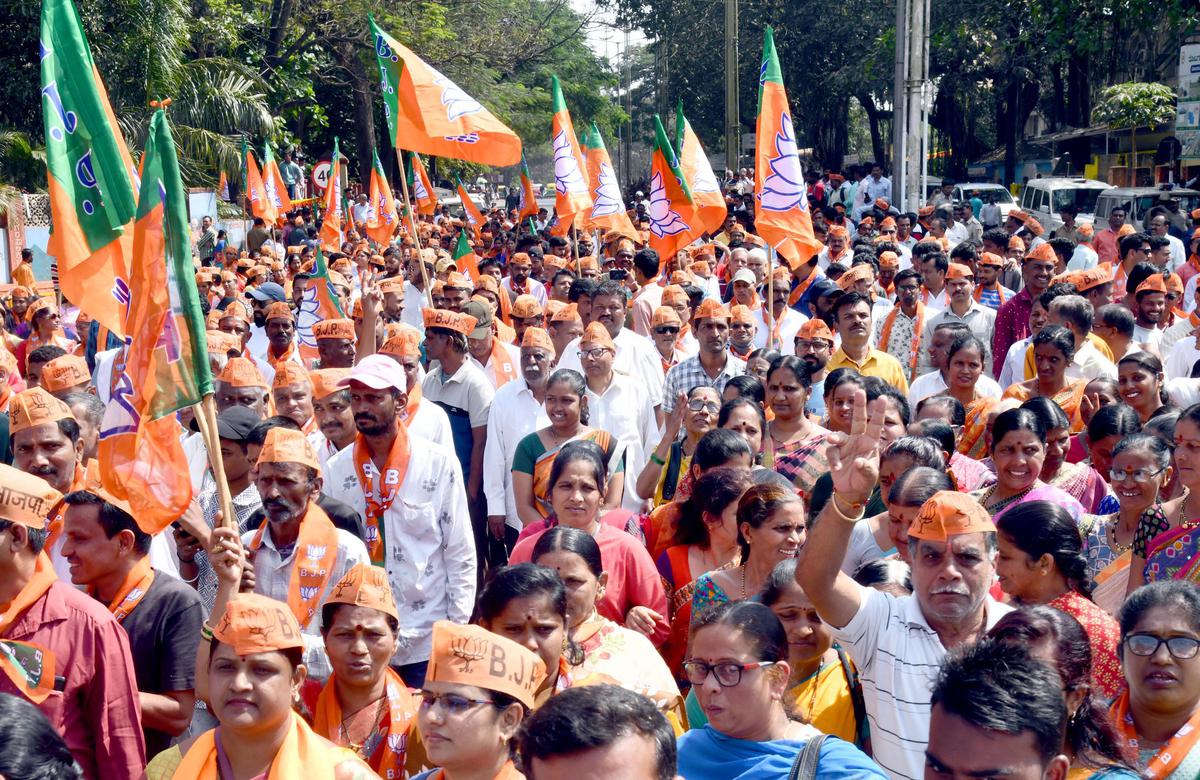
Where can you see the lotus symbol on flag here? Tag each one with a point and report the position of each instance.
(608, 195)
(419, 192)
(663, 221)
(567, 176)
(783, 189)
(308, 315)
(457, 102)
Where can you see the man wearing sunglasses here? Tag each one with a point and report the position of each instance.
(713, 366)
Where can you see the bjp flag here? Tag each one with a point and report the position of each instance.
(428, 113)
(334, 215)
(256, 193)
(278, 202)
(165, 363)
(381, 226)
(92, 181)
(674, 216)
(782, 217)
(474, 215)
(698, 174)
(318, 303)
(529, 205)
(418, 183)
(464, 257)
(571, 194)
(608, 211)
(223, 187)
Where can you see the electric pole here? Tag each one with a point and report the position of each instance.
(733, 122)
(899, 102)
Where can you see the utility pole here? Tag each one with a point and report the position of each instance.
(916, 76)
(899, 102)
(627, 140)
(733, 122)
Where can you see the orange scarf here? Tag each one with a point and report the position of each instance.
(925, 294)
(316, 553)
(502, 364)
(132, 590)
(380, 497)
(43, 577)
(55, 525)
(886, 335)
(287, 355)
(775, 341)
(1170, 755)
(801, 287)
(388, 758)
(414, 403)
(999, 291)
(302, 754)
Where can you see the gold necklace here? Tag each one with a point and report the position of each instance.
(1111, 532)
(358, 748)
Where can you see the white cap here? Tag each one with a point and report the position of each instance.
(378, 372)
(745, 275)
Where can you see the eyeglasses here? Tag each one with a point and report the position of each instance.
(666, 330)
(1146, 645)
(728, 674)
(814, 345)
(594, 354)
(1137, 475)
(697, 405)
(452, 703)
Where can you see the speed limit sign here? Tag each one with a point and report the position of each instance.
(321, 172)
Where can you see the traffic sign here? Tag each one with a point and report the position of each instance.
(321, 172)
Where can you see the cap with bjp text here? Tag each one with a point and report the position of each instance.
(740, 315)
(1153, 283)
(34, 407)
(448, 320)
(219, 342)
(949, 513)
(1093, 277)
(337, 328)
(278, 310)
(65, 372)
(284, 445)
(597, 335)
(24, 498)
(568, 313)
(288, 373)
(254, 623)
(664, 315)
(241, 372)
(365, 586)
(406, 343)
(472, 655)
(526, 306)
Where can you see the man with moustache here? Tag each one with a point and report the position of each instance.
(331, 412)
(899, 333)
(852, 318)
(981, 320)
(814, 345)
(713, 366)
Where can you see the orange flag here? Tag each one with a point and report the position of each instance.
(223, 187)
(333, 215)
(698, 174)
(256, 193)
(781, 216)
(474, 216)
(422, 191)
(278, 202)
(383, 221)
(570, 180)
(464, 257)
(607, 212)
(529, 206)
(428, 113)
(674, 216)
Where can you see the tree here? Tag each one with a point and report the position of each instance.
(1135, 104)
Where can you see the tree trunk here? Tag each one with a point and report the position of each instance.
(281, 15)
(364, 114)
(874, 119)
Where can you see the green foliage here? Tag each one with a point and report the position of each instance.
(1135, 104)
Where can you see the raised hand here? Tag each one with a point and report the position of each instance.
(854, 458)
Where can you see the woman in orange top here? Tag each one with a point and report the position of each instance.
(1053, 350)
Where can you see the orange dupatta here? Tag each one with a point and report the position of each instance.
(380, 496)
(388, 758)
(1170, 755)
(43, 577)
(886, 335)
(316, 552)
(302, 754)
(132, 590)
(979, 292)
(502, 364)
(414, 403)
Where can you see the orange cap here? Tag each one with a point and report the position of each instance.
(1093, 277)
(1125, 230)
(1015, 242)
(990, 259)
(889, 260)
(925, 211)
(450, 320)
(1153, 283)
(279, 310)
(65, 372)
(393, 285)
(254, 623)
(25, 499)
(8, 361)
(664, 315)
(472, 655)
(553, 307)
(325, 381)
(568, 313)
(741, 314)
(674, 294)
(838, 231)
(710, 309)
(239, 310)
(1085, 230)
(457, 281)
(34, 407)
(1041, 252)
(597, 335)
(588, 264)
(887, 222)
(700, 267)
(526, 306)
(815, 329)
(1017, 214)
(680, 278)
(365, 586)
(222, 343)
(489, 283)
(882, 204)
(288, 373)
(241, 372)
(1174, 285)
(949, 513)
(537, 338)
(959, 271)
(283, 445)
(859, 273)
(338, 328)
(1033, 226)
(212, 319)
(406, 343)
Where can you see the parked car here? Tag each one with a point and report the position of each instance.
(1137, 202)
(1044, 198)
(985, 190)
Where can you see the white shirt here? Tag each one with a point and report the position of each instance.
(1178, 253)
(431, 422)
(789, 325)
(1084, 258)
(979, 318)
(1014, 364)
(625, 411)
(957, 233)
(468, 389)
(931, 384)
(258, 343)
(1089, 363)
(273, 577)
(1179, 330)
(522, 416)
(1147, 336)
(414, 301)
(533, 286)
(102, 375)
(898, 655)
(636, 357)
(1181, 358)
(429, 544)
(324, 447)
(197, 458)
(489, 370)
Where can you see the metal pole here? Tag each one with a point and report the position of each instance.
(733, 123)
(627, 140)
(898, 102)
(915, 78)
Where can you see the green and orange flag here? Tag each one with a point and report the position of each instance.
(674, 216)
(384, 219)
(529, 206)
(428, 113)
(571, 196)
(464, 257)
(781, 215)
(419, 186)
(698, 174)
(608, 210)
(318, 303)
(277, 202)
(333, 217)
(474, 215)
(165, 364)
(92, 180)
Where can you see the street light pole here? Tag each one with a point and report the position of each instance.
(899, 101)
(733, 123)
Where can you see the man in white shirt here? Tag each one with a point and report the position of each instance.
(497, 359)
(960, 283)
(1075, 314)
(412, 498)
(1150, 302)
(523, 413)
(781, 335)
(871, 188)
(331, 410)
(1158, 227)
(1084, 257)
(518, 281)
(414, 289)
(361, 209)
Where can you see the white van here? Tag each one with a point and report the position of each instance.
(1044, 198)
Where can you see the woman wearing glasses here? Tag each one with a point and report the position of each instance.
(739, 671)
(794, 445)
(469, 713)
(696, 415)
(1159, 715)
(1040, 560)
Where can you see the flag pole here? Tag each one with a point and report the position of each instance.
(206, 418)
(770, 297)
(412, 225)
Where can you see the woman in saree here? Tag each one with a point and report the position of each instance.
(695, 414)
(1141, 467)
(1053, 350)
(963, 375)
(1018, 451)
(794, 445)
(1140, 379)
(606, 649)
(738, 667)
(975, 441)
(533, 461)
(1079, 480)
(1158, 717)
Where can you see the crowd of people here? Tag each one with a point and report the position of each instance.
(919, 505)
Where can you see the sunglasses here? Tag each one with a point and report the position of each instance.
(667, 330)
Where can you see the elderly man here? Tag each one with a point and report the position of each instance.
(713, 366)
(93, 701)
(898, 642)
(280, 329)
(496, 359)
(412, 496)
(64, 375)
(522, 401)
(335, 343)
(1075, 314)
(960, 287)
(780, 334)
(743, 331)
